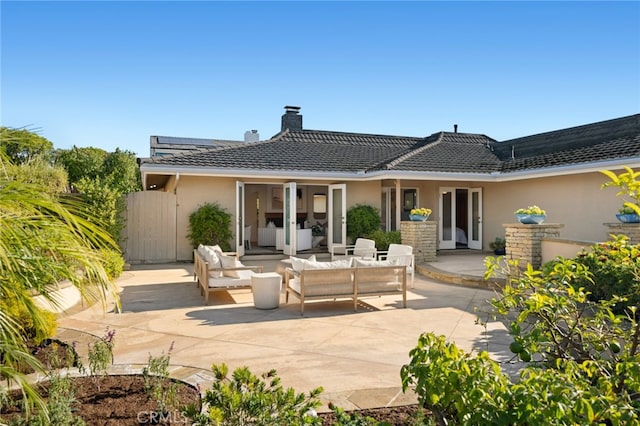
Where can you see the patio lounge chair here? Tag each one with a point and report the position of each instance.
(363, 249)
(400, 254)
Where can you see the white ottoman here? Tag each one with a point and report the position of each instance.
(266, 288)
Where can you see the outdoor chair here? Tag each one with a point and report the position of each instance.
(363, 248)
(400, 254)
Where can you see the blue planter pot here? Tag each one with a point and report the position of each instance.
(530, 219)
(628, 218)
(418, 217)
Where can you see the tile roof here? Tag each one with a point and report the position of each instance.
(327, 151)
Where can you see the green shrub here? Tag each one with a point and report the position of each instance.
(33, 332)
(384, 238)
(615, 268)
(210, 225)
(362, 221)
(245, 399)
(113, 263)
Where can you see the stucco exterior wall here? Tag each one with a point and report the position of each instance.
(191, 193)
(577, 202)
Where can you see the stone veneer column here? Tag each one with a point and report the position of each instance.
(631, 230)
(524, 242)
(422, 236)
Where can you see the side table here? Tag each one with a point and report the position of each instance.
(266, 288)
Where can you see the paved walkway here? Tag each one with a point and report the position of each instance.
(355, 356)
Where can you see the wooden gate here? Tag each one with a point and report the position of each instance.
(150, 229)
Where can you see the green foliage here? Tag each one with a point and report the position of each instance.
(38, 171)
(384, 238)
(210, 225)
(362, 221)
(82, 162)
(104, 205)
(103, 179)
(101, 356)
(156, 377)
(22, 145)
(629, 184)
(245, 399)
(113, 263)
(43, 239)
(34, 323)
(615, 267)
(498, 244)
(465, 389)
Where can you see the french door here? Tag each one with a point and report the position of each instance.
(289, 218)
(240, 218)
(337, 229)
(460, 221)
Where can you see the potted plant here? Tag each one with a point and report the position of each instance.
(531, 215)
(627, 214)
(498, 246)
(419, 214)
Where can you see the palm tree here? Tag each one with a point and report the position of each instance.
(44, 239)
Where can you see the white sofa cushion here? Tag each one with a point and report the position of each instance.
(213, 260)
(336, 264)
(367, 263)
(230, 262)
(243, 280)
(298, 264)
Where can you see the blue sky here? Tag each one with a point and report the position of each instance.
(111, 74)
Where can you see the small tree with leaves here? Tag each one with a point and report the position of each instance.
(210, 224)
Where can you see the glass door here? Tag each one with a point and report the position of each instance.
(289, 218)
(475, 219)
(446, 224)
(337, 230)
(240, 218)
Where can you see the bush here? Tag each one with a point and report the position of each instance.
(113, 263)
(383, 239)
(362, 221)
(615, 267)
(33, 332)
(247, 399)
(210, 225)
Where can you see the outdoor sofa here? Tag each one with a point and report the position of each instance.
(215, 270)
(345, 279)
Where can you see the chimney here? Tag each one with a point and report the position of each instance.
(455, 128)
(291, 119)
(251, 136)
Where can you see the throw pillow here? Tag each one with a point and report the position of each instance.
(298, 264)
(230, 262)
(213, 261)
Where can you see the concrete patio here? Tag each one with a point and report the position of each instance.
(355, 356)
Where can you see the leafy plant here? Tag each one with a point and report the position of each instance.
(101, 355)
(157, 382)
(629, 184)
(498, 244)
(615, 269)
(384, 238)
(531, 210)
(362, 221)
(246, 399)
(210, 225)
